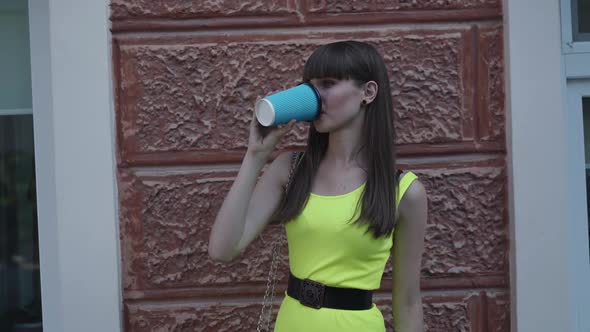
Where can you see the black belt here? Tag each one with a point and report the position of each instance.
(317, 295)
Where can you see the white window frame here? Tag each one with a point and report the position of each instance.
(568, 44)
(578, 245)
(75, 165)
(576, 58)
(576, 53)
(17, 111)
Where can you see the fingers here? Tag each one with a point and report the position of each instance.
(285, 129)
(279, 132)
(257, 129)
(254, 121)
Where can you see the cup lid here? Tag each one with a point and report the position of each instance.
(265, 112)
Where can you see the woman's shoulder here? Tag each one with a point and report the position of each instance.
(412, 191)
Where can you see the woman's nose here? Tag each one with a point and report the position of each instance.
(321, 91)
(323, 100)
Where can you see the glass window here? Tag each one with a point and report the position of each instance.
(15, 59)
(20, 291)
(581, 20)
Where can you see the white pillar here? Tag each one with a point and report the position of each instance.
(75, 164)
(535, 86)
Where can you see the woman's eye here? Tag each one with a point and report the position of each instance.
(326, 83)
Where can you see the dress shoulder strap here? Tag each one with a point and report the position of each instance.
(403, 184)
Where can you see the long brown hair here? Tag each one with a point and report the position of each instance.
(361, 63)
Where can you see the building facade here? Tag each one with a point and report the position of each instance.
(140, 113)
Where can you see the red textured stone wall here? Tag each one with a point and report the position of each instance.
(187, 74)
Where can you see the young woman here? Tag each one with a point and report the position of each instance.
(343, 204)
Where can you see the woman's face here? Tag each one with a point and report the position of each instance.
(341, 103)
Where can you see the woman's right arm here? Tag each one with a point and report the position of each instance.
(249, 204)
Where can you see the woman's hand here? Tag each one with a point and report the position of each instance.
(263, 140)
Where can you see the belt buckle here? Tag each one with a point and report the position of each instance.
(311, 293)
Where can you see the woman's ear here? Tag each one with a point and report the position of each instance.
(370, 91)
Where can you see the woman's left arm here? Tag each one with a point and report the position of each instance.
(407, 251)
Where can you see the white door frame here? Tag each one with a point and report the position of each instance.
(75, 165)
(576, 56)
(578, 227)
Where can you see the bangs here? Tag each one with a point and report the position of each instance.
(340, 60)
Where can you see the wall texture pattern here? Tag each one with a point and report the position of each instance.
(187, 74)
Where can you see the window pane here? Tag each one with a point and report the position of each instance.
(20, 292)
(15, 59)
(581, 20)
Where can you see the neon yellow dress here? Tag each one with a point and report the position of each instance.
(324, 246)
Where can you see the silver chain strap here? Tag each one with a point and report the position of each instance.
(269, 294)
(265, 317)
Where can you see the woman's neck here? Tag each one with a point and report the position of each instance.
(345, 149)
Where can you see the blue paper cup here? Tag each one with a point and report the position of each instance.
(302, 103)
